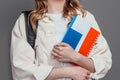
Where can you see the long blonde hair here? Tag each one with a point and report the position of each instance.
(70, 10)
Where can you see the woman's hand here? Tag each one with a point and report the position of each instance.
(64, 52)
(79, 73)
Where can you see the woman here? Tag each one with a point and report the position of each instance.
(53, 17)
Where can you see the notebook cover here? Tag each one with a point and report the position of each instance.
(80, 35)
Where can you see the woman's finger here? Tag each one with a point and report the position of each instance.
(58, 47)
(88, 76)
(88, 73)
(62, 44)
(56, 50)
(56, 55)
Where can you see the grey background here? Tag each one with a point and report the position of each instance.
(106, 13)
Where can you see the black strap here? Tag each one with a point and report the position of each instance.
(68, 2)
(30, 34)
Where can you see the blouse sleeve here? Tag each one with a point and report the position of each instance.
(100, 54)
(23, 56)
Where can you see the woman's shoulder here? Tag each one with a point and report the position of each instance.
(19, 26)
(90, 18)
(88, 14)
(19, 21)
(21, 16)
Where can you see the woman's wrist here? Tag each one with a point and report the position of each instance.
(76, 58)
(84, 62)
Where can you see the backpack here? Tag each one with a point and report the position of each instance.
(30, 34)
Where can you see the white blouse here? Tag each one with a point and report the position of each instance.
(50, 31)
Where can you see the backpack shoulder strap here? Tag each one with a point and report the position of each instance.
(30, 34)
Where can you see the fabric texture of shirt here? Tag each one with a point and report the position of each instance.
(49, 32)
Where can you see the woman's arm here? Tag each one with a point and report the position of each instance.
(22, 56)
(75, 73)
(65, 53)
(84, 62)
(99, 60)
